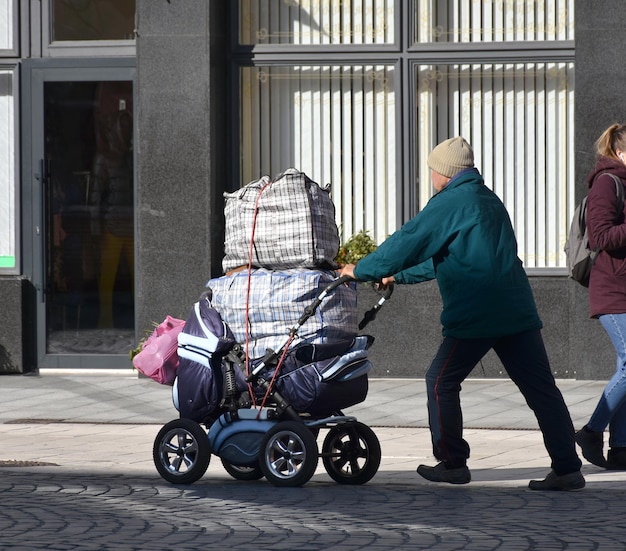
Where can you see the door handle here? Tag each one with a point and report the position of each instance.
(40, 228)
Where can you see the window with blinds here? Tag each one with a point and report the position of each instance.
(493, 20)
(8, 220)
(335, 123)
(316, 22)
(331, 89)
(519, 119)
(8, 27)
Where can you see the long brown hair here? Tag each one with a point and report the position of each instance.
(612, 139)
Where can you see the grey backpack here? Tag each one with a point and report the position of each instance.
(580, 257)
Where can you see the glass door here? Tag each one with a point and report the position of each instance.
(83, 216)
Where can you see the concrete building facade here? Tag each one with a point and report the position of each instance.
(177, 73)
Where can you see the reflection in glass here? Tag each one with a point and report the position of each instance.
(493, 20)
(89, 261)
(336, 124)
(321, 22)
(93, 20)
(520, 120)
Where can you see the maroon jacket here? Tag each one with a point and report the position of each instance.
(607, 230)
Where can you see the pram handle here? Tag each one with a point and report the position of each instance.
(386, 292)
(310, 311)
(370, 315)
(312, 308)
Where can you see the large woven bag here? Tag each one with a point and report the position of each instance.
(290, 221)
(261, 307)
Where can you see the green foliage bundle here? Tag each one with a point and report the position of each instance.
(355, 248)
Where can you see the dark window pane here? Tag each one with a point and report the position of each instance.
(89, 215)
(93, 20)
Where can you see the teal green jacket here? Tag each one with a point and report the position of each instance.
(464, 239)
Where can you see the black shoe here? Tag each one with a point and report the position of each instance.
(616, 460)
(440, 473)
(592, 445)
(566, 483)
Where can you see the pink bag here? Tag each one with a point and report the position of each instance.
(158, 358)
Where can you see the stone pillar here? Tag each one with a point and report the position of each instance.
(180, 163)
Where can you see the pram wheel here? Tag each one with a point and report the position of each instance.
(351, 453)
(241, 472)
(181, 451)
(289, 454)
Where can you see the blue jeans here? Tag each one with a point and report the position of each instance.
(611, 408)
(526, 362)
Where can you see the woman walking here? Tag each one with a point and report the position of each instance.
(607, 296)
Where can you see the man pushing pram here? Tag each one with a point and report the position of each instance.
(270, 354)
(463, 238)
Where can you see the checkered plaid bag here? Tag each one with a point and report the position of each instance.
(276, 301)
(295, 224)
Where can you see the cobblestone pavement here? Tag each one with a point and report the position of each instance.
(92, 485)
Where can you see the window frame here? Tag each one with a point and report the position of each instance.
(407, 56)
(14, 49)
(17, 220)
(411, 31)
(568, 195)
(316, 61)
(236, 47)
(80, 48)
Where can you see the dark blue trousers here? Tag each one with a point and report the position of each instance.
(526, 362)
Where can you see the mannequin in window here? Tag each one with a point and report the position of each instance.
(112, 195)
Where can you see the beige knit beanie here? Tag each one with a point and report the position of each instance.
(451, 157)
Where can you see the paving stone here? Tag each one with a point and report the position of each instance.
(81, 477)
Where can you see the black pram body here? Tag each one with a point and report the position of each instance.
(324, 367)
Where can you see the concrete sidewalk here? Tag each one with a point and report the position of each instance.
(61, 411)
(76, 472)
(123, 397)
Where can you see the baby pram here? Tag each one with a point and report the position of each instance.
(260, 427)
